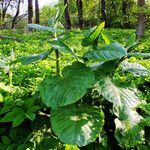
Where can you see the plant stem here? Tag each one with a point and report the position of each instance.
(57, 58)
(57, 62)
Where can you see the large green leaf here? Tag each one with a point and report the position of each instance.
(128, 132)
(60, 91)
(25, 60)
(77, 125)
(60, 46)
(90, 39)
(135, 68)
(124, 100)
(44, 28)
(106, 53)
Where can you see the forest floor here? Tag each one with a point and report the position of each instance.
(26, 78)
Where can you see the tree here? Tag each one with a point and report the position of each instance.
(141, 19)
(17, 14)
(4, 7)
(30, 11)
(80, 13)
(67, 15)
(37, 14)
(103, 10)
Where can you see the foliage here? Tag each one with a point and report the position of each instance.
(76, 100)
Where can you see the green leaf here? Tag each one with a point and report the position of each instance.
(104, 69)
(135, 68)
(6, 140)
(44, 28)
(139, 55)
(60, 91)
(145, 108)
(5, 88)
(59, 14)
(124, 100)
(5, 109)
(71, 147)
(106, 38)
(33, 109)
(77, 126)
(31, 116)
(1, 98)
(26, 146)
(28, 103)
(128, 135)
(60, 46)
(18, 119)
(145, 122)
(25, 60)
(90, 39)
(48, 142)
(2, 64)
(128, 132)
(10, 116)
(102, 144)
(131, 42)
(106, 53)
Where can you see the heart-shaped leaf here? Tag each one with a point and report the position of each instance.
(77, 126)
(60, 91)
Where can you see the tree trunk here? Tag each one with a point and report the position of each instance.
(17, 14)
(99, 11)
(4, 7)
(103, 10)
(30, 11)
(67, 15)
(80, 13)
(37, 14)
(126, 22)
(141, 20)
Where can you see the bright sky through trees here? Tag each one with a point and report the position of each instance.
(25, 5)
(46, 2)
